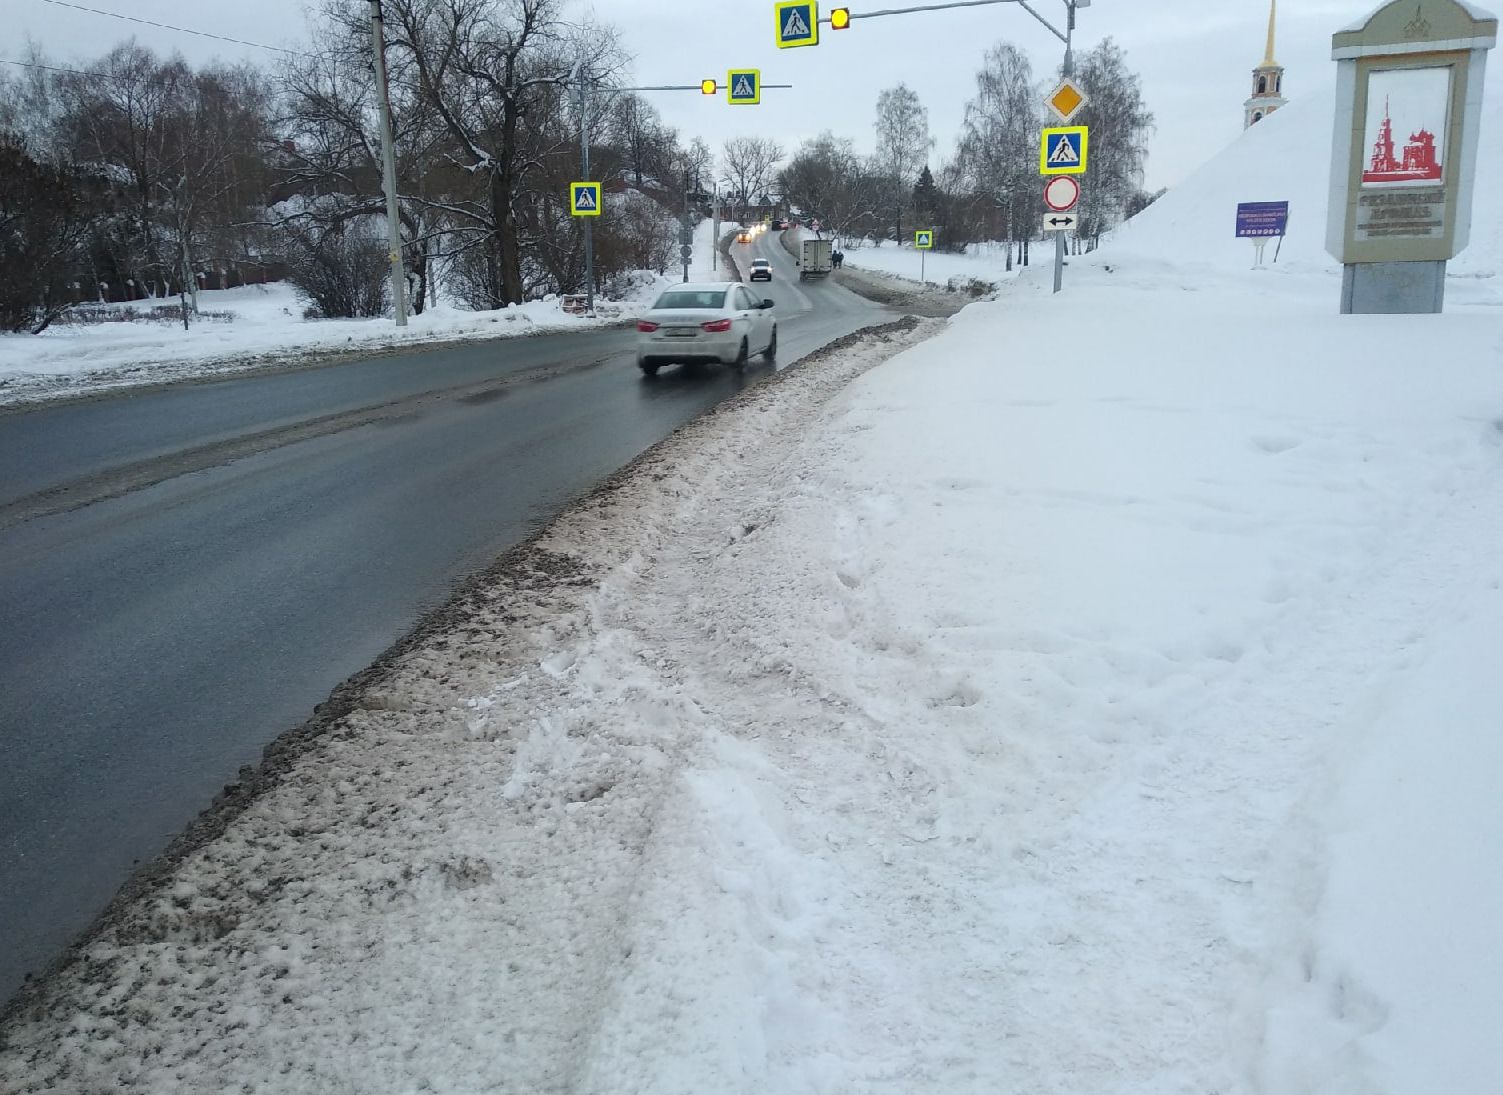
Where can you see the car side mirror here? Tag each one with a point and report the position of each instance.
(766, 304)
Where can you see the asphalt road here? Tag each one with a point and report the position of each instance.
(188, 571)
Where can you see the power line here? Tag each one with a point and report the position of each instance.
(54, 68)
(169, 26)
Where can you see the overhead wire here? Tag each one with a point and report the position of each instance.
(170, 26)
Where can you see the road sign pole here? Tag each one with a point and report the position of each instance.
(923, 280)
(584, 163)
(1069, 70)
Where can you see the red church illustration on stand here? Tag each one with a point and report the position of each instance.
(1419, 162)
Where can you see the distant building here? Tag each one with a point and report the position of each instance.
(1268, 80)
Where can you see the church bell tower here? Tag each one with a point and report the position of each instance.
(1267, 78)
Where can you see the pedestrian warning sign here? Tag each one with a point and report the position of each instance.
(798, 23)
(1062, 151)
(743, 86)
(923, 239)
(584, 199)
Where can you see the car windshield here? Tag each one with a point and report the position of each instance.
(692, 298)
(761, 264)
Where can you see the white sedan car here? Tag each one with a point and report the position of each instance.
(722, 322)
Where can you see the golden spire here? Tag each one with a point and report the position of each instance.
(1273, 14)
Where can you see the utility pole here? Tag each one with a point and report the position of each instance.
(389, 170)
(1069, 70)
(584, 163)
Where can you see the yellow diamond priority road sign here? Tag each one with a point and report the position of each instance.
(1066, 100)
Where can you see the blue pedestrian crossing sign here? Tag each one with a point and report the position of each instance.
(1062, 150)
(584, 199)
(743, 86)
(923, 239)
(798, 23)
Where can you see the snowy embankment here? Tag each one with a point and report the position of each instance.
(267, 329)
(982, 262)
(1096, 697)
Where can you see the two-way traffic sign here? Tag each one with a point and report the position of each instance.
(798, 23)
(584, 199)
(1062, 151)
(743, 86)
(1060, 222)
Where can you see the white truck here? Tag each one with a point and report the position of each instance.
(817, 259)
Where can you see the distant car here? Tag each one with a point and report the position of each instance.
(779, 225)
(713, 322)
(744, 237)
(761, 270)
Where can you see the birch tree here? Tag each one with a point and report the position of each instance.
(903, 143)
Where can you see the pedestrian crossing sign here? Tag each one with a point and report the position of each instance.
(1062, 150)
(923, 239)
(584, 199)
(798, 23)
(743, 86)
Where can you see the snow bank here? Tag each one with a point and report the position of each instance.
(983, 262)
(267, 326)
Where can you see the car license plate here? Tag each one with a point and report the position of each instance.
(682, 332)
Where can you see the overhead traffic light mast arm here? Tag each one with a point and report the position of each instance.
(1024, 4)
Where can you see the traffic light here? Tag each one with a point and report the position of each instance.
(840, 18)
(707, 87)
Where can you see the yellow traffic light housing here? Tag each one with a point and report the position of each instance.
(840, 18)
(708, 87)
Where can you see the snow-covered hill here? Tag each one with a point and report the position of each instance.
(1286, 157)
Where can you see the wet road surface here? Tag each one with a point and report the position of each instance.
(188, 571)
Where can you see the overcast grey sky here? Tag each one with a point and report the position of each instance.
(1195, 57)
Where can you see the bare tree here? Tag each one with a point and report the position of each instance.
(751, 165)
(903, 144)
(827, 178)
(1120, 125)
(45, 212)
(997, 151)
(493, 74)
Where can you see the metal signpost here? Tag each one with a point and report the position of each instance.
(1400, 209)
(1261, 222)
(923, 243)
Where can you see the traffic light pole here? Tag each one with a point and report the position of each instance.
(1069, 70)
